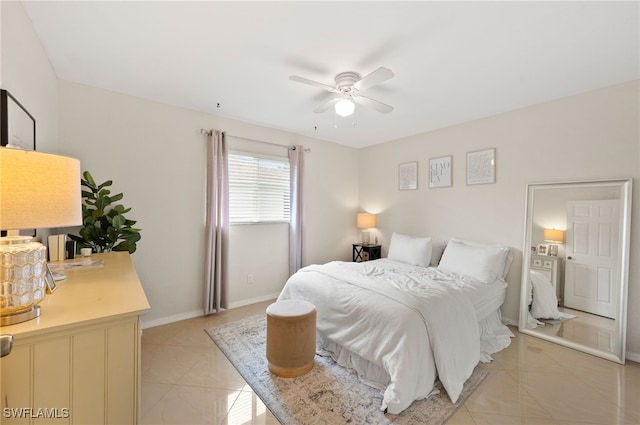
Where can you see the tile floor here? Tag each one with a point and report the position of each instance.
(187, 380)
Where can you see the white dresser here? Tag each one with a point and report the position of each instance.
(79, 362)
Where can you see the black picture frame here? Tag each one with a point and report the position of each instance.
(17, 128)
(17, 125)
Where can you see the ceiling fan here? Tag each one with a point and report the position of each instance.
(348, 91)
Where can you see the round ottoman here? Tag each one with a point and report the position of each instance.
(291, 337)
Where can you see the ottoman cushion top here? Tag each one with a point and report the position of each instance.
(290, 308)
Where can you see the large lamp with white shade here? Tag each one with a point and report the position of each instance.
(37, 190)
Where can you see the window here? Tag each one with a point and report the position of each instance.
(258, 189)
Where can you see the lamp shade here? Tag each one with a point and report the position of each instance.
(38, 190)
(366, 220)
(345, 107)
(553, 235)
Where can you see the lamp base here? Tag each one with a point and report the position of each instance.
(20, 316)
(23, 264)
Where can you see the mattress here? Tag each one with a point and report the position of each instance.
(486, 297)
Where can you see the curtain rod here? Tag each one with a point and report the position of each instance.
(210, 132)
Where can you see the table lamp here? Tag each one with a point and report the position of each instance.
(365, 221)
(37, 190)
(555, 237)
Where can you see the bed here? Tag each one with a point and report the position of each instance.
(401, 322)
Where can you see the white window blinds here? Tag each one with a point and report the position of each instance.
(258, 189)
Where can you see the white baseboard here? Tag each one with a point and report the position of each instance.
(634, 357)
(144, 324)
(249, 301)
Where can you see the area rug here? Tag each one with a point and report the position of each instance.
(328, 394)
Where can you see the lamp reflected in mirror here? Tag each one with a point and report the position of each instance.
(555, 237)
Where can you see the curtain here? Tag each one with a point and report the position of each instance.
(217, 227)
(296, 223)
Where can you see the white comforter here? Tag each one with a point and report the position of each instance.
(413, 322)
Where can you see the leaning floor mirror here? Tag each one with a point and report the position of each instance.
(576, 265)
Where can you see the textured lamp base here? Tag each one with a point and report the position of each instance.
(23, 264)
(20, 316)
(365, 237)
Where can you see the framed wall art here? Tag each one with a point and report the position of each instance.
(17, 125)
(408, 176)
(481, 166)
(17, 130)
(440, 172)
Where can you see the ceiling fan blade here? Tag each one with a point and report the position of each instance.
(376, 77)
(328, 103)
(313, 83)
(373, 104)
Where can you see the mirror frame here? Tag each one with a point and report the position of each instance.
(625, 186)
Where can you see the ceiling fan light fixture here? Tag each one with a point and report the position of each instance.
(345, 107)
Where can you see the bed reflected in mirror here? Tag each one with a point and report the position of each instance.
(575, 265)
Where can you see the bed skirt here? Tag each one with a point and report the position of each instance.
(494, 337)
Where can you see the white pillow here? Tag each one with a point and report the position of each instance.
(545, 303)
(410, 249)
(504, 263)
(478, 262)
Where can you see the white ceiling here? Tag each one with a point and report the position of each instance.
(453, 61)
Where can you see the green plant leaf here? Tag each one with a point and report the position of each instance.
(118, 221)
(117, 197)
(103, 202)
(105, 226)
(89, 178)
(105, 184)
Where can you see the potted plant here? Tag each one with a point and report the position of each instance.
(105, 228)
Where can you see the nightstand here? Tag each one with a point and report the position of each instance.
(366, 252)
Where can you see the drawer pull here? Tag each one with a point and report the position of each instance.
(6, 344)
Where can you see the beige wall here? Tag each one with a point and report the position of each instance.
(27, 74)
(590, 136)
(155, 155)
